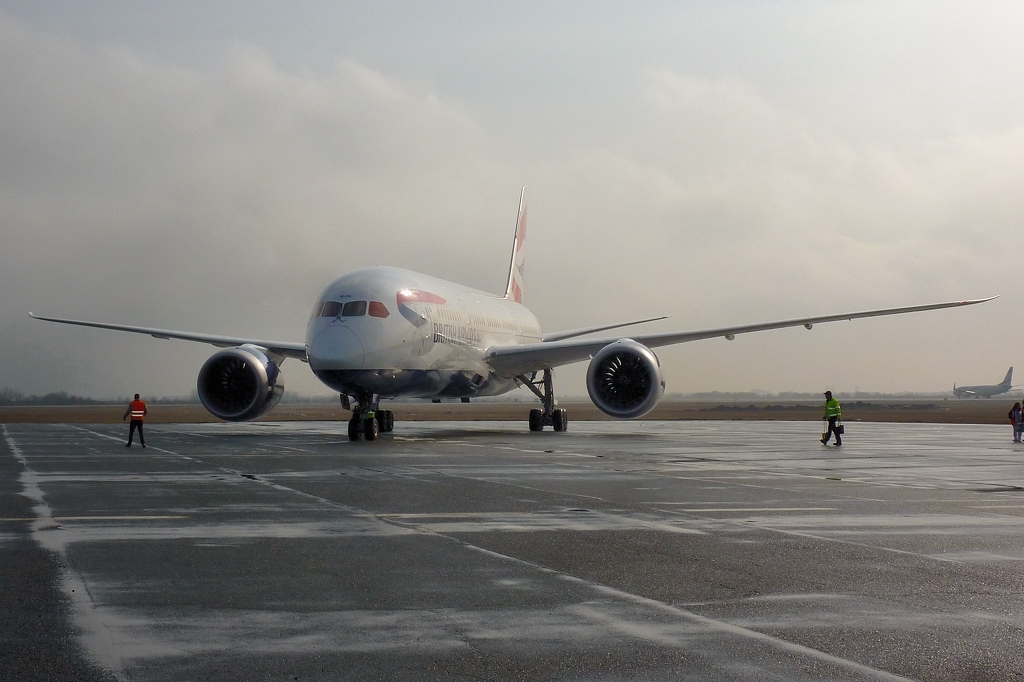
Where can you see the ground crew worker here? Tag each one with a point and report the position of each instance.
(138, 411)
(833, 413)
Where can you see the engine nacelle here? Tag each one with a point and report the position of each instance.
(239, 384)
(624, 379)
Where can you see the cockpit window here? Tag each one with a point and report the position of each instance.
(331, 309)
(377, 309)
(317, 309)
(354, 309)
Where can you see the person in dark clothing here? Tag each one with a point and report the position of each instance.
(1017, 419)
(833, 413)
(138, 411)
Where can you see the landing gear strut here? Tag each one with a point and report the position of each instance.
(556, 418)
(367, 421)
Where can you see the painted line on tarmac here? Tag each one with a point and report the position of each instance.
(710, 623)
(251, 477)
(754, 523)
(714, 624)
(95, 632)
(92, 518)
(742, 509)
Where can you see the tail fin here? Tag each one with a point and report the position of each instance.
(514, 289)
(1009, 376)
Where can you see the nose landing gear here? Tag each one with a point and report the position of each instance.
(556, 418)
(367, 421)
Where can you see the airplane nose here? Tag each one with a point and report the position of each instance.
(336, 347)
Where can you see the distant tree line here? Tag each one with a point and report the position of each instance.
(11, 396)
(14, 397)
(797, 395)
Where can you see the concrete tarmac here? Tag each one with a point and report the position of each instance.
(480, 551)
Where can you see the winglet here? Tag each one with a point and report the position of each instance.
(514, 288)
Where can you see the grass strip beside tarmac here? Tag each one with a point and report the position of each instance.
(908, 411)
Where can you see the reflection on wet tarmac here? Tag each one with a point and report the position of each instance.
(656, 550)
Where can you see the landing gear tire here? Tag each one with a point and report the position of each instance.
(371, 429)
(355, 427)
(560, 420)
(386, 421)
(536, 420)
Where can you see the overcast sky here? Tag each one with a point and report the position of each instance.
(211, 166)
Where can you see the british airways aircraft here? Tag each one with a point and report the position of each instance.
(382, 332)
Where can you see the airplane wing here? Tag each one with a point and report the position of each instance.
(560, 336)
(512, 361)
(288, 350)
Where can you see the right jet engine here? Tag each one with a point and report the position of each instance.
(624, 379)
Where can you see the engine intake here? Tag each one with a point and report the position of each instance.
(239, 384)
(624, 379)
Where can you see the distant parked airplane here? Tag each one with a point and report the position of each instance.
(382, 332)
(984, 391)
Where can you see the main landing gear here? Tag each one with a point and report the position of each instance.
(556, 418)
(367, 421)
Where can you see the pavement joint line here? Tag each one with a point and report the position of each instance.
(337, 505)
(732, 481)
(622, 595)
(746, 524)
(613, 591)
(711, 623)
(752, 523)
(438, 472)
(116, 439)
(741, 509)
(234, 472)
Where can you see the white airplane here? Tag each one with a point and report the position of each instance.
(382, 333)
(985, 391)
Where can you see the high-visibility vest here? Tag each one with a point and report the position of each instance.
(832, 408)
(138, 410)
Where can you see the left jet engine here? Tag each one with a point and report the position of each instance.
(239, 384)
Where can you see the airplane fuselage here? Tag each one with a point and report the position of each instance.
(980, 391)
(398, 333)
(985, 390)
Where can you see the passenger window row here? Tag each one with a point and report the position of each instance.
(349, 309)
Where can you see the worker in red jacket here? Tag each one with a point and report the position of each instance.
(138, 411)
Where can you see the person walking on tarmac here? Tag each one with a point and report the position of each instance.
(833, 413)
(138, 411)
(1016, 416)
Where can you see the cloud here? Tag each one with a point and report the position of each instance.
(773, 182)
(143, 192)
(137, 190)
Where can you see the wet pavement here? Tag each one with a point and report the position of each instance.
(480, 551)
